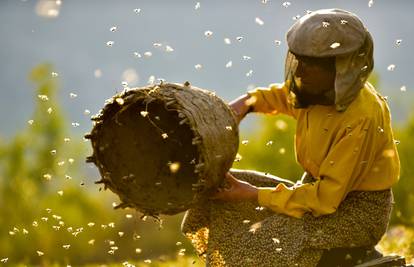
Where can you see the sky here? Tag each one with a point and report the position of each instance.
(178, 41)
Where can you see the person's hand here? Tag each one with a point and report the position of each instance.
(240, 107)
(237, 190)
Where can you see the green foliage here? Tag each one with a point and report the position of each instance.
(27, 157)
(374, 79)
(25, 161)
(403, 212)
(46, 206)
(404, 189)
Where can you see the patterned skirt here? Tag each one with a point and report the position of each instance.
(244, 234)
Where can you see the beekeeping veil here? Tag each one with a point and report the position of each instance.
(333, 33)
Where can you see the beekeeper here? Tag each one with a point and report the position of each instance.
(344, 142)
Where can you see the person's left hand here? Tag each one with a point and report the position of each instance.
(238, 190)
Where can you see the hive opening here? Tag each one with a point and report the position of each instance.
(163, 148)
(158, 157)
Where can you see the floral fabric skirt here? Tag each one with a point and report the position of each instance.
(244, 234)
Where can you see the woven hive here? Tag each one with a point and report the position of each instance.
(162, 148)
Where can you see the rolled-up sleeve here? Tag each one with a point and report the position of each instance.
(352, 154)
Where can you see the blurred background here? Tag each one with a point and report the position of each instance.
(60, 60)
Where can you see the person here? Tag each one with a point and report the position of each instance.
(340, 208)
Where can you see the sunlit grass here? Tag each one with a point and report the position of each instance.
(398, 240)
(178, 262)
(186, 261)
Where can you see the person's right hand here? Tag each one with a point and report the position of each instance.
(240, 107)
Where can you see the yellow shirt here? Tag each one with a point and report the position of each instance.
(345, 151)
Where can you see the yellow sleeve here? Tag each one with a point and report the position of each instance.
(349, 156)
(273, 99)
